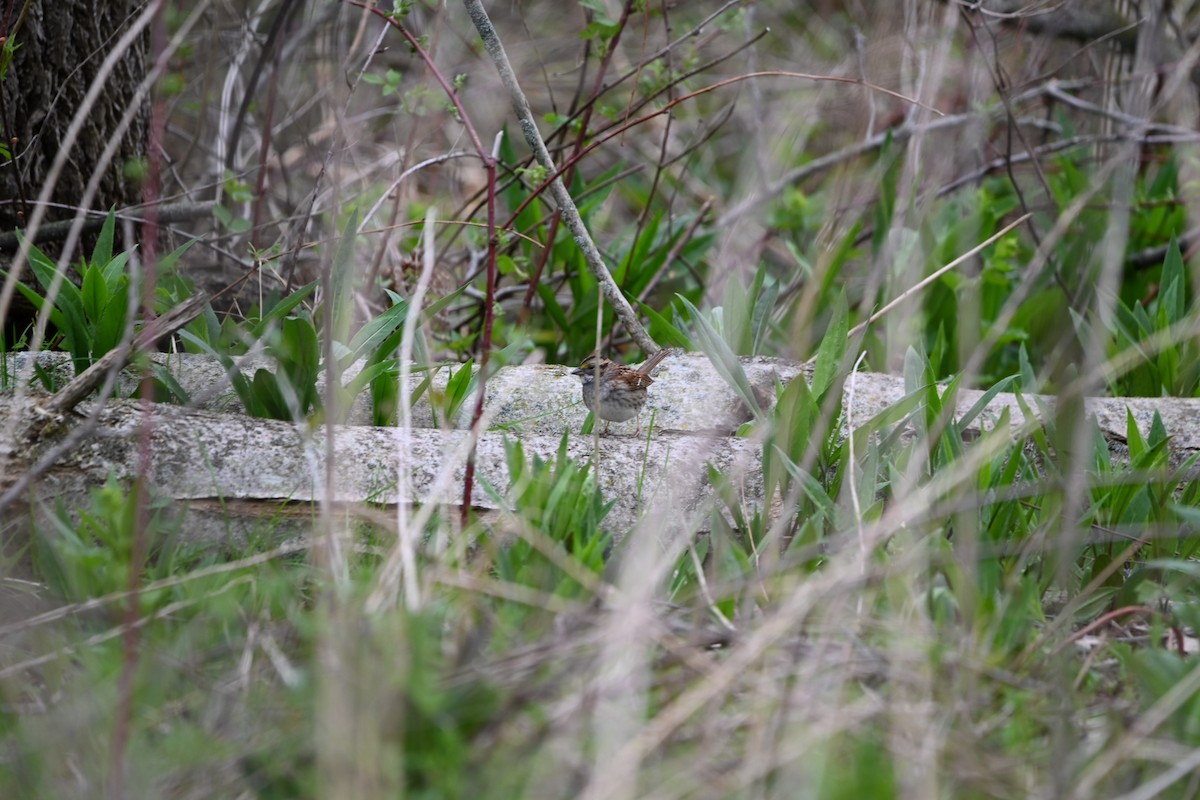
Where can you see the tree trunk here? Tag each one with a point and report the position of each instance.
(61, 45)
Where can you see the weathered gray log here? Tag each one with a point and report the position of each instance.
(210, 460)
(687, 395)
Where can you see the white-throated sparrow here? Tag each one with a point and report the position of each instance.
(622, 389)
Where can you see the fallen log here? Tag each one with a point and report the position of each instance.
(214, 462)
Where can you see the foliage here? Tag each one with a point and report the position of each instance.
(89, 319)
(938, 599)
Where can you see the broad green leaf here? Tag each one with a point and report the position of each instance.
(1137, 445)
(267, 400)
(764, 306)
(917, 372)
(897, 414)
(794, 417)
(94, 293)
(102, 252)
(359, 382)
(168, 261)
(833, 347)
(174, 389)
(72, 321)
(736, 317)
(722, 358)
(979, 405)
(1025, 370)
(1158, 431)
(114, 270)
(282, 309)
(1174, 283)
(458, 388)
(553, 308)
(110, 328)
(371, 336)
(664, 332)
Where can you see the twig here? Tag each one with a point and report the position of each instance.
(566, 204)
(115, 360)
(822, 163)
(567, 122)
(52, 231)
(859, 149)
(676, 248)
(857, 329)
(406, 539)
(489, 159)
(1100, 622)
(580, 143)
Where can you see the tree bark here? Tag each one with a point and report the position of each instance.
(60, 47)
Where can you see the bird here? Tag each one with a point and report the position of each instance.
(622, 390)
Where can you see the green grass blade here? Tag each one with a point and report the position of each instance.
(723, 359)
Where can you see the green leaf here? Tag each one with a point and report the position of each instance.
(663, 332)
(1025, 370)
(896, 414)
(377, 330)
(979, 405)
(639, 254)
(94, 293)
(68, 317)
(723, 360)
(1174, 283)
(553, 308)
(794, 417)
(282, 309)
(102, 252)
(114, 270)
(764, 306)
(359, 382)
(736, 317)
(1137, 445)
(390, 326)
(69, 299)
(341, 304)
(266, 400)
(298, 351)
(1190, 515)
(1158, 431)
(110, 328)
(833, 346)
(174, 389)
(1038, 431)
(458, 388)
(918, 375)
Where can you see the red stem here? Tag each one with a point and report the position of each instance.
(142, 485)
(489, 165)
(264, 150)
(1103, 620)
(597, 89)
(446, 87)
(618, 130)
(486, 346)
